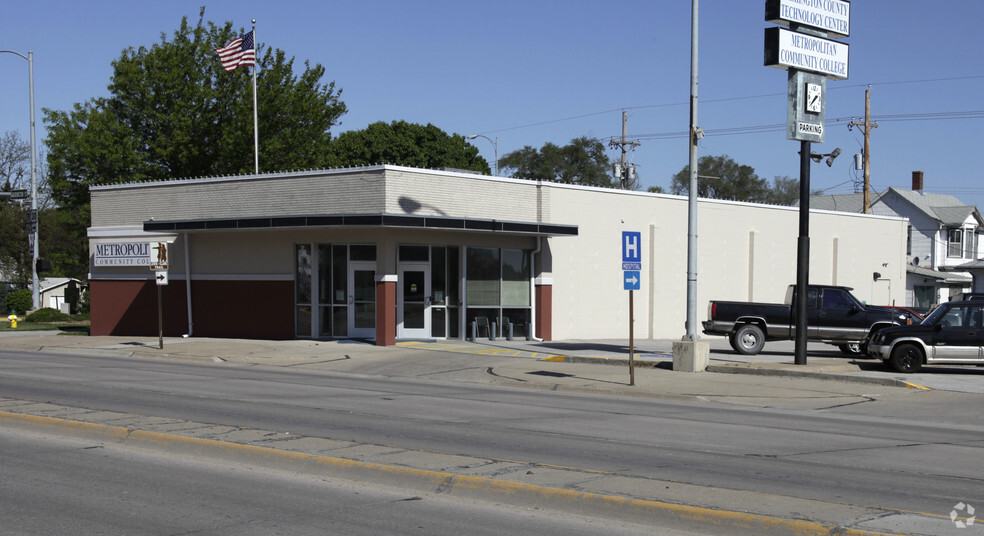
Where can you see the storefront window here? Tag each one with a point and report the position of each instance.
(483, 276)
(414, 253)
(363, 253)
(515, 278)
(339, 269)
(303, 271)
(324, 273)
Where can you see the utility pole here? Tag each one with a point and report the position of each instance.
(866, 130)
(624, 172)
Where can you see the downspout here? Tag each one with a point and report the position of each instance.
(187, 255)
(539, 246)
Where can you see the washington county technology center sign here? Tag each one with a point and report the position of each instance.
(805, 50)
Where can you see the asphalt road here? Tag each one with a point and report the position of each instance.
(57, 486)
(911, 454)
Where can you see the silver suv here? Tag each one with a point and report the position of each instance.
(952, 334)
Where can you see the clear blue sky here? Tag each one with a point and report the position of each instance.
(529, 72)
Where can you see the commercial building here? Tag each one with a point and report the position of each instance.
(388, 252)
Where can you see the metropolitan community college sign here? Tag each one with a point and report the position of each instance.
(809, 56)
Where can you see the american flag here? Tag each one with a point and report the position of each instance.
(239, 51)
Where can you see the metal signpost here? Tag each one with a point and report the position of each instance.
(159, 267)
(810, 57)
(631, 281)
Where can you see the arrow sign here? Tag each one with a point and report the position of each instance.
(161, 278)
(631, 279)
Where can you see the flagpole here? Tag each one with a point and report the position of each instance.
(256, 123)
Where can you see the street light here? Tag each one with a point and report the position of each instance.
(495, 142)
(36, 292)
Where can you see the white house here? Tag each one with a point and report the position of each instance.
(942, 236)
(52, 292)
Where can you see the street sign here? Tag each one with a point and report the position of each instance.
(785, 49)
(161, 278)
(631, 250)
(18, 194)
(831, 16)
(160, 263)
(632, 280)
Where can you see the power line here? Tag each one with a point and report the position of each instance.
(761, 128)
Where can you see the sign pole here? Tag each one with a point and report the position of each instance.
(160, 320)
(803, 255)
(631, 281)
(631, 340)
(810, 57)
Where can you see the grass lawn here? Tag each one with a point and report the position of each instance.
(66, 328)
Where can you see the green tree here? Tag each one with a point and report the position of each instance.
(15, 255)
(405, 144)
(15, 173)
(173, 111)
(723, 178)
(785, 191)
(20, 301)
(583, 161)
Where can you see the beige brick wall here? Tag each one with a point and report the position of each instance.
(351, 192)
(745, 252)
(381, 189)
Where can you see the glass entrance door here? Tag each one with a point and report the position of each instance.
(362, 299)
(413, 302)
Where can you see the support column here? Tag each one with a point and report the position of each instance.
(386, 310)
(543, 294)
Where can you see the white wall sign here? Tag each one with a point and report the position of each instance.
(121, 254)
(791, 50)
(831, 16)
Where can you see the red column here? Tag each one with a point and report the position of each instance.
(543, 295)
(386, 311)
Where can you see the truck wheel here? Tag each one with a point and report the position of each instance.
(749, 339)
(906, 358)
(733, 341)
(851, 348)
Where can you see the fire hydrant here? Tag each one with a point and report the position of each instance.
(13, 319)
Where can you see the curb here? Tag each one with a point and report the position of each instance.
(891, 382)
(734, 369)
(519, 494)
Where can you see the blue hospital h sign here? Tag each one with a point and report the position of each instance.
(631, 250)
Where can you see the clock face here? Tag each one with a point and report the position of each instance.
(814, 98)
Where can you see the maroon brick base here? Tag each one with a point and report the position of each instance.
(230, 309)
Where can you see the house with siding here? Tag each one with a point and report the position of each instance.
(943, 235)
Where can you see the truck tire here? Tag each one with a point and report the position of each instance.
(906, 358)
(851, 348)
(748, 339)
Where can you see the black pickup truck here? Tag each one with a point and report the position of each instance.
(834, 316)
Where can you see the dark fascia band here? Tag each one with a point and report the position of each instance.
(365, 220)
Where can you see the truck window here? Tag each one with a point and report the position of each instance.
(811, 296)
(837, 299)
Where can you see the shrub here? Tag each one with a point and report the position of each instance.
(20, 301)
(83, 308)
(47, 314)
(72, 297)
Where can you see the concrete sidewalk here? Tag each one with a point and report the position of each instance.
(824, 362)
